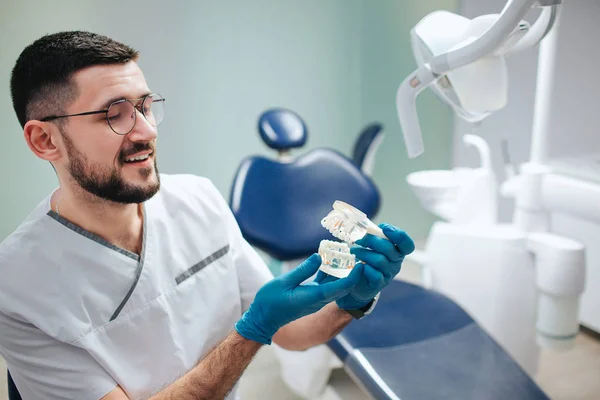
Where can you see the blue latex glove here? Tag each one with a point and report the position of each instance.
(284, 299)
(381, 262)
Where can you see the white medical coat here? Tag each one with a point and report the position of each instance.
(79, 315)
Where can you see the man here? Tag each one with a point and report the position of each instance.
(127, 284)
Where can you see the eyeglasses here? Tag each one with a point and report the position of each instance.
(121, 115)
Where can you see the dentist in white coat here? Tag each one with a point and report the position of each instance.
(124, 283)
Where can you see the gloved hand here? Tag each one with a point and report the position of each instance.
(381, 262)
(284, 299)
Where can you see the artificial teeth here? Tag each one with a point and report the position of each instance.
(336, 254)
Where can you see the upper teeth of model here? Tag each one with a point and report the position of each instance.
(138, 158)
(335, 246)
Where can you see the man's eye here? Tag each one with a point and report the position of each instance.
(113, 117)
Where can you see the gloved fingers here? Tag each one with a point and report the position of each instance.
(302, 272)
(313, 283)
(382, 246)
(377, 260)
(375, 278)
(322, 277)
(400, 238)
(337, 289)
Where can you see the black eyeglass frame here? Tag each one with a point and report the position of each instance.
(141, 100)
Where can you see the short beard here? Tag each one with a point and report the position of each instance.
(106, 182)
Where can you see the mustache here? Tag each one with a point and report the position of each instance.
(137, 148)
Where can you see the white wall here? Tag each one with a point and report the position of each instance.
(386, 60)
(219, 64)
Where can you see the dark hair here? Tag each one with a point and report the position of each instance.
(41, 83)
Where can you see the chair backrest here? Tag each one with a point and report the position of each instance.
(282, 129)
(279, 206)
(13, 393)
(366, 146)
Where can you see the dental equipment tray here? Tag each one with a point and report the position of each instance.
(418, 344)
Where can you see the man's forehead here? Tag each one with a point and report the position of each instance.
(100, 83)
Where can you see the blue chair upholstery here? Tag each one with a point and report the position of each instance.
(418, 344)
(271, 200)
(13, 393)
(365, 143)
(282, 129)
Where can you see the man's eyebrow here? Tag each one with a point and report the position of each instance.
(106, 104)
(112, 100)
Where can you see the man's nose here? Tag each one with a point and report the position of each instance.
(142, 131)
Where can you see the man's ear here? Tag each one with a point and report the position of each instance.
(41, 139)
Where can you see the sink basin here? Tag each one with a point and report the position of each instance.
(438, 190)
(460, 195)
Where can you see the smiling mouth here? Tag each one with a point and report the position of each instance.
(137, 159)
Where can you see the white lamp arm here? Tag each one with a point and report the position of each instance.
(538, 30)
(487, 43)
(406, 107)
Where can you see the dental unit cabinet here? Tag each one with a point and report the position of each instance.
(519, 280)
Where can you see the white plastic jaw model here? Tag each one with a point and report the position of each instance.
(336, 258)
(349, 225)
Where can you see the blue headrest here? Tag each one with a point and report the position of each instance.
(282, 129)
(364, 142)
(279, 206)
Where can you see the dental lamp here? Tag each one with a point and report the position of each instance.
(464, 62)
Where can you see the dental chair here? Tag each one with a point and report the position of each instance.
(366, 146)
(417, 343)
(305, 187)
(283, 130)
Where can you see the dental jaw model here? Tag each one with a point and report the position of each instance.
(349, 225)
(336, 259)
